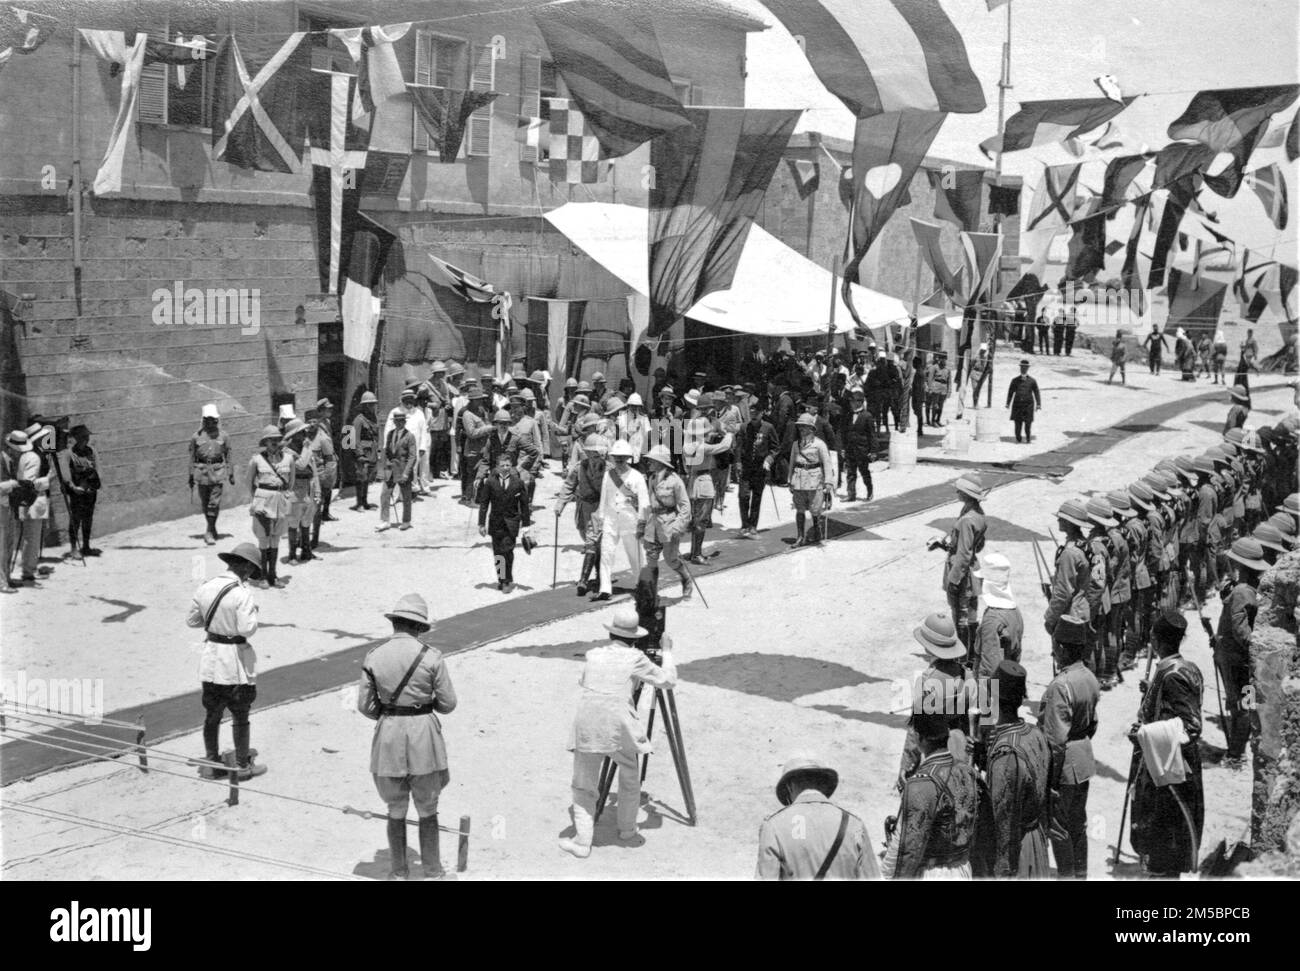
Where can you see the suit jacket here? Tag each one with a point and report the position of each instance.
(503, 508)
(755, 443)
(400, 455)
(858, 433)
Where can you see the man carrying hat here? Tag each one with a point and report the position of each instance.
(503, 510)
(812, 838)
(365, 435)
(1018, 761)
(963, 543)
(1232, 644)
(211, 467)
(581, 486)
(399, 459)
(1001, 628)
(1166, 838)
(1069, 720)
(1024, 401)
(226, 610)
(405, 685)
(670, 517)
(606, 725)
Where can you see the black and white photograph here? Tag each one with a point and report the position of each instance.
(489, 441)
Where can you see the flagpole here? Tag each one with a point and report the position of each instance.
(1003, 84)
(830, 336)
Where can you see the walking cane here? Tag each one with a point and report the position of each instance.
(776, 507)
(696, 583)
(555, 558)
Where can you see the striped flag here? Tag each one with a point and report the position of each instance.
(574, 147)
(885, 55)
(470, 287)
(609, 59)
(22, 31)
(981, 253)
(1047, 122)
(1270, 185)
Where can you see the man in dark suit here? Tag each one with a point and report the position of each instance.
(399, 460)
(756, 446)
(858, 435)
(502, 510)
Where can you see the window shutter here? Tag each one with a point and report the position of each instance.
(530, 99)
(423, 75)
(483, 78)
(151, 96)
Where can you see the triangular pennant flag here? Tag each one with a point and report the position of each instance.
(981, 253)
(806, 174)
(257, 119)
(1269, 184)
(958, 196)
(445, 112)
(928, 236)
(470, 287)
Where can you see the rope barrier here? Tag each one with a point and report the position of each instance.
(18, 706)
(121, 829)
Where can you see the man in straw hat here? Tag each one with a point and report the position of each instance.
(1232, 645)
(607, 726)
(211, 468)
(670, 517)
(1069, 720)
(963, 543)
(812, 838)
(29, 449)
(940, 687)
(226, 610)
(270, 483)
(811, 471)
(405, 685)
(399, 458)
(1018, 761)
(1165, 838)
(365, 436)
(581, 486)
(623, 511)
(1001, 628)
(937, 811)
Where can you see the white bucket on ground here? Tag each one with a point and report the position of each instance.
(956, 440)
(902, 450)
(986, 425)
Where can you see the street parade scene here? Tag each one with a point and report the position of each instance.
(746, 440)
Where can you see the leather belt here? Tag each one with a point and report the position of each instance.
(406, 709)
(224, 639)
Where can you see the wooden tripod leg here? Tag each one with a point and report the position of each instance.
(677, 746)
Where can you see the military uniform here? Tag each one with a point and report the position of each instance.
(581, 486)
(1069, 586)
(365, 432)
(306, 496)
(1232, 655)
(1069, 720)
(795, 842)
(670, 519)
(270, 483)
(1120, 569)
(210, 470)
(1019, 761)
(1160, 830)
(326, 464)
(965, 541)
(943, 686)
(1140, 539)
(1097, 549)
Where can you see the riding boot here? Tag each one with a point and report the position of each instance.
(799, 520)
(588, 560)
(315, 530)
(211, 536)
(397, 849)
(273, 561)
(687, 590)
(430, 858)
(293, 546)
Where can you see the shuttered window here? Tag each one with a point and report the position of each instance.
(442, 62)
(163, 97)
(530, 99)
(478, 137)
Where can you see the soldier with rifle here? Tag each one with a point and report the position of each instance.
(1072, 573)
(1101, 567)
(1232, 644)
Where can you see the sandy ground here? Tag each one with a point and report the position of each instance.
(808, 651)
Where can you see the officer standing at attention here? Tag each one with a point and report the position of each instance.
(812, 838)
(365, 431)
(327, 462)
(963, 544)
(210, 467)
(404, 686)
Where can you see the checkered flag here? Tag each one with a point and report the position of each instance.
(574, 149)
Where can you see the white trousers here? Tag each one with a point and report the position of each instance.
(586, 782)
(613, 534)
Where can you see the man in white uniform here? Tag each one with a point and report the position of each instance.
(623, 511)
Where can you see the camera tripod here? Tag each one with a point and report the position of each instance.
(666, 702)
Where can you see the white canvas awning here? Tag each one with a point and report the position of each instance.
(776, 292)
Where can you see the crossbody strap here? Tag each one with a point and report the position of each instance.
(401, 685)
(212, 608)
(835, 847)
